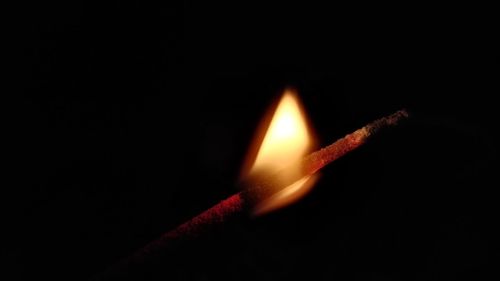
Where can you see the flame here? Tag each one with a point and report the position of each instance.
(287, 140)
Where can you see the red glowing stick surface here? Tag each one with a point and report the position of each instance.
(240, 203)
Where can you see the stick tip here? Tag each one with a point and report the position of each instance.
(388, 121)
(399, 115)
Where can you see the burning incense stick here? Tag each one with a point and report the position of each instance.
(243, 202)
(266, 186)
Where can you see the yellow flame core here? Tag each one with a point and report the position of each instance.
(286, 141)
(287, 138)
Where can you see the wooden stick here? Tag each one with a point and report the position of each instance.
(239, 204)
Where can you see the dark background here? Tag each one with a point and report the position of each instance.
(128, 119)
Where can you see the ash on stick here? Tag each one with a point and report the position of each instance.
(243, 202)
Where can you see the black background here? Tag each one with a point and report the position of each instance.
(128, 119)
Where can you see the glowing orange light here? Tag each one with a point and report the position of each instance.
(286, 141)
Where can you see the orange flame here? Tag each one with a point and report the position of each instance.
(287, 139)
